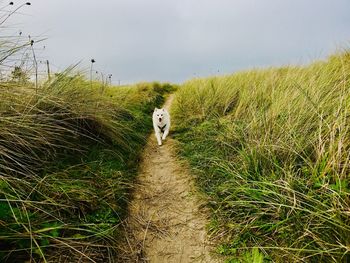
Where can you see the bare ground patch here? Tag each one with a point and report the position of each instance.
(167, 219)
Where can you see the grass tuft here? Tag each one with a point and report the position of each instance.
(68, 156)
(271, 150)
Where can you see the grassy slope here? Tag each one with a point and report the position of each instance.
(68, 158)
(270, 148)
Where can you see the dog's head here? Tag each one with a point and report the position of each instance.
(159, 114)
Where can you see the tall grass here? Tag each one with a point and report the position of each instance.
(271, 148)
(68, 155)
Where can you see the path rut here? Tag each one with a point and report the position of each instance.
(167, 219)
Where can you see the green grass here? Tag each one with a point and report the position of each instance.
(68, 157)
(270, 149)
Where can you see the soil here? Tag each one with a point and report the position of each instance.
(167, 220)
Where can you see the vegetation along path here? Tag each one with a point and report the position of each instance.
(167, 221)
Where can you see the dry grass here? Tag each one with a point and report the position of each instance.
(271, 150)
(68, 155)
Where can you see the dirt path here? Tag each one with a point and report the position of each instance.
(167, 220)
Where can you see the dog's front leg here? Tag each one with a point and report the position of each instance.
(158, 138)
(165, 134)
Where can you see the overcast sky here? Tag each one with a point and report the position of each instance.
(174, 40)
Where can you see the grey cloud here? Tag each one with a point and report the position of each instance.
(172, 40)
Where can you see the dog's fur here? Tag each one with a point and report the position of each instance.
(161, 124)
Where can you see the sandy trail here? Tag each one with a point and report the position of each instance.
(167, 220)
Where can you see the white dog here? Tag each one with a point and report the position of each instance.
(161, 124)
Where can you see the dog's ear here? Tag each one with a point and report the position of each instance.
(162, 109)
(155, 109)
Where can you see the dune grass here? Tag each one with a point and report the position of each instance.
(68, 156)
(270, 149)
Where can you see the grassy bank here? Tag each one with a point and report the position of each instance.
(270, 149)
(68, 155)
